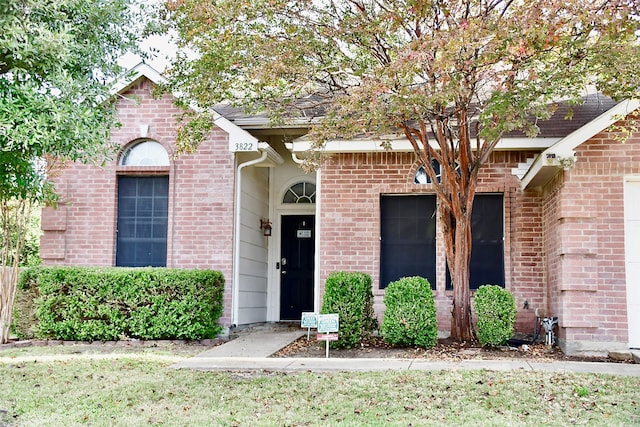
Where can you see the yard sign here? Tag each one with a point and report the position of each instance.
(309, 320)
(328, 325)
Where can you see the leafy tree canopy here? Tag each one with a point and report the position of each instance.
(55, 57)
(384, 64)
(451, 76)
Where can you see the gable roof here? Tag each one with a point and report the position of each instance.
(566, 119)
(547, 163)
(236, 134)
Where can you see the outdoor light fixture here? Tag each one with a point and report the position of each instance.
(265, 226)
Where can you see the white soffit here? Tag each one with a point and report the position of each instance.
(543, 169)
(369, 145)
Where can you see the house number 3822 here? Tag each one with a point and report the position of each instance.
(244, 146)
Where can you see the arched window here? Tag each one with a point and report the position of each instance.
(145, 153)
(302, 192)
(143, 207)
(421, 176)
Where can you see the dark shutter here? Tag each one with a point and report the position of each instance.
(408, 238)
(142, 221)
(487, 247)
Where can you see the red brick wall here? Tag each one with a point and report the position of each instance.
(351, 185)
(200, 232)
(551, 213)
(584, 224)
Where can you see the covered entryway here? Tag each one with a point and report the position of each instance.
(632, 257)
(296, 265)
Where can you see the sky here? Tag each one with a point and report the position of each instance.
(160, 62)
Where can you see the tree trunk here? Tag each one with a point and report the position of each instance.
(8, 285)
(14, 216)
(459, 271)
(456, 229)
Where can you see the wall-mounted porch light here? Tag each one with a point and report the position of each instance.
(265, 226)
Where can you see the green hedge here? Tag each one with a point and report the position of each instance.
(410, 314)
(495, 308)
(88, 304)
(350, 295)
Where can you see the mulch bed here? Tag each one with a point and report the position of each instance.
(446, 349)
(133, 345)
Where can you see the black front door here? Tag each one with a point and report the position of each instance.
(296, 266)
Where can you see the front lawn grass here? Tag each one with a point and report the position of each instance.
(133, 389)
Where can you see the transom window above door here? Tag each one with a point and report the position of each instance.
(145, 153)
(302, 192)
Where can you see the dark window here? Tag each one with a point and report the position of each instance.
(408, 238)
(487, 247)
(142, 221)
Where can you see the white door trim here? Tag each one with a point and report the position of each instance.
(277, 211)
(632, 257)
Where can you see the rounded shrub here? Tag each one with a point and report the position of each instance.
(495, 309)
(410, 315)
(349, 294)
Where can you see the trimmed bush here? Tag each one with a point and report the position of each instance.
(410, 315)
(495, 308)
(350, 295)
(88, 304)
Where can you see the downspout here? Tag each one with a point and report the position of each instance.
(236, 236)
(297, 159)
(316, 255)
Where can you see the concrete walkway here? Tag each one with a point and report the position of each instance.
(344, 365)
(250, 351)
(261, 342)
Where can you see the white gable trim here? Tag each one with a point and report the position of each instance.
(549, 161)
(132, 75)
(237, 135)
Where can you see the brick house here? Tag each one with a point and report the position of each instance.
(556, 218)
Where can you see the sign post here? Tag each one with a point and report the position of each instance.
(309, 320)
(328, 325)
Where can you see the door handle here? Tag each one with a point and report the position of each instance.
(284, 272)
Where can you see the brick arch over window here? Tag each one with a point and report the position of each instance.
(413, 171)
